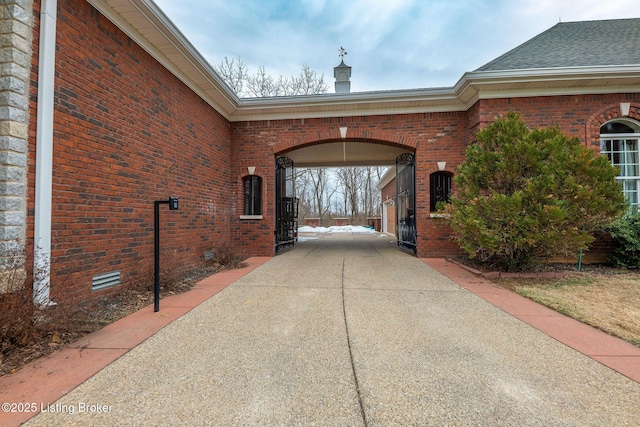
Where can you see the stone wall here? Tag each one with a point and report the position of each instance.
(15, 57)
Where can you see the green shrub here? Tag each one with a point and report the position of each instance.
(523, 195)
(625, 232)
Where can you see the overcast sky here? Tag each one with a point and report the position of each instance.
(390, 44)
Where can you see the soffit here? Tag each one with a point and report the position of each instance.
(145, 23)
(345, 153)
(352, 104)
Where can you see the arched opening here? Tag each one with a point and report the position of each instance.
(348, 171)
(619, 142)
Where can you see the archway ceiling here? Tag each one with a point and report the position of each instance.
(345, 153)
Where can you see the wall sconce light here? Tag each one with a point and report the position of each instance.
(343, 132)
(251, 169)
(442, 165)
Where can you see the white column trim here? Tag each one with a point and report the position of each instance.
(44, 154)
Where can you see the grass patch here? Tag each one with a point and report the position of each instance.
(609, 302)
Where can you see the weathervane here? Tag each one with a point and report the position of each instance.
(342, 53)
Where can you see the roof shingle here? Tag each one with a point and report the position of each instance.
(575, 44)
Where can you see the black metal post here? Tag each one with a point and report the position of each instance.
(156, 255)
(173, 205)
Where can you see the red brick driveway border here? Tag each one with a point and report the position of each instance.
(49, 378)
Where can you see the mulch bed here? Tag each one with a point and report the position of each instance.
(93, 317)
(547, 270)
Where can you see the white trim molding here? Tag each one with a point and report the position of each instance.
(250, 216)
(148, 26)
(44, 154)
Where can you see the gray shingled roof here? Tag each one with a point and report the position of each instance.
(575, 44)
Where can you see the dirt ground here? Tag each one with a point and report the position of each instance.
(55, 333)
(607, 299)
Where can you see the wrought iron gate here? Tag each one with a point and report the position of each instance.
(406, 201)
(286, 204)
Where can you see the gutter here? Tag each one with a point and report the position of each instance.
(44, 155)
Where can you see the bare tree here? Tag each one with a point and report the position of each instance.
(349, 181)
(323, 190)
(346, 191)
(302, 192)
(368, 192)
(261, 84)
(357, 185)
(372, 198)
(307, 83)
(235, 73)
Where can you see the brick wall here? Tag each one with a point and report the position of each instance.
(127, 132)
(432, 136)
(577, 115)
(389, 190)
(15, 57)
(312, 222)
(340, 222)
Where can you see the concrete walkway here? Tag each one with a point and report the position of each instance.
(346, 330)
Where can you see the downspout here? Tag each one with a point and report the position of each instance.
(44, 155)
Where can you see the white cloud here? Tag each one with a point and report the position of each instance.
(396, 44)
(313, 7)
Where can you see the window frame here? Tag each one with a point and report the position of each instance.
(432, 194)
(252, 197)
(620, 158)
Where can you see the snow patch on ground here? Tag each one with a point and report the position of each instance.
(337, 229)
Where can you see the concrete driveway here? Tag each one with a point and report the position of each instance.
(346, 330)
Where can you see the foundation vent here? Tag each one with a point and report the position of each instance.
(105, 280)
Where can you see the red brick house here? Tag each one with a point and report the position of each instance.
(106, 108)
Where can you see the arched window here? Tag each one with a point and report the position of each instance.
(440, 188)
(619, 142)
(252, 185)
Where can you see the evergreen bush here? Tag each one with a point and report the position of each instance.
(523, 195)
(625, 232)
